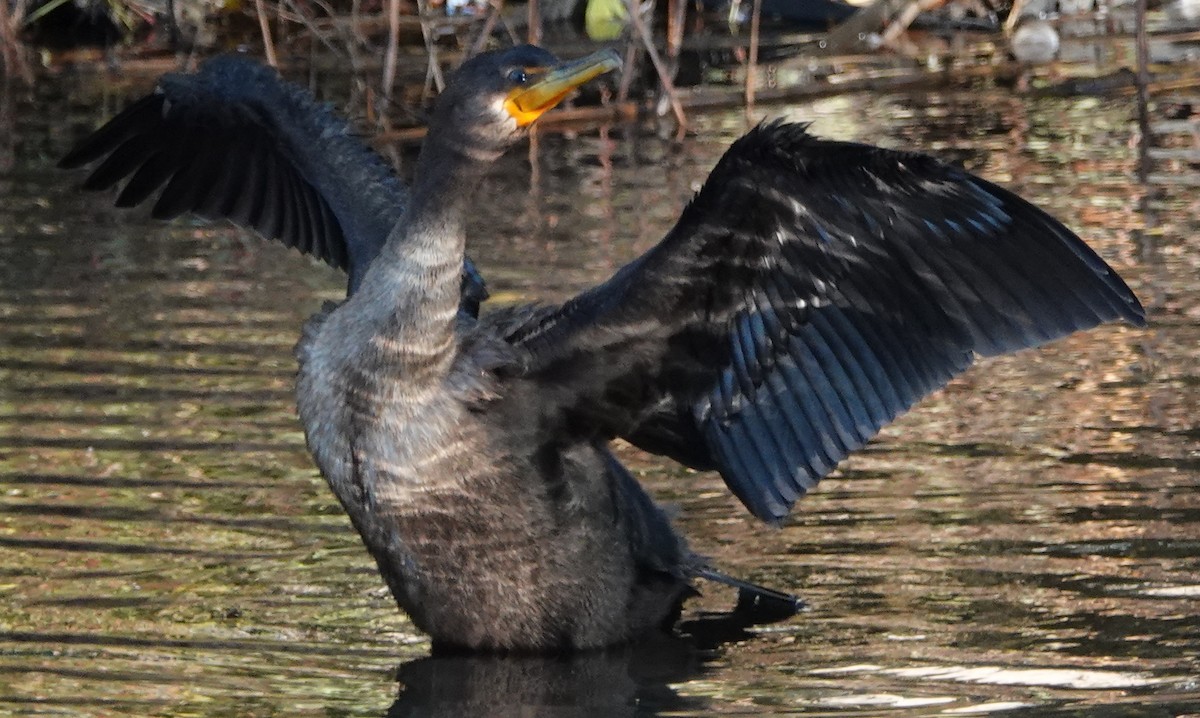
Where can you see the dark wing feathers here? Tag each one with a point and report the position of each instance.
(809, 294)
(130, 122)
(234, 141)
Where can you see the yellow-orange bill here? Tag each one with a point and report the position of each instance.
(527, 103)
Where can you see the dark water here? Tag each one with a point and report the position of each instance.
(1027, 541)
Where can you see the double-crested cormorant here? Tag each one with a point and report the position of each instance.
(809, 293)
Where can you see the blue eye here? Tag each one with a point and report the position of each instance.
(518, 76)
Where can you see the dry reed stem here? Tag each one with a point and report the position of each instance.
(264, 26)
(393, 48)
(752, 64)
(535, 23)
(434, 80)
(495, 7)
(635, 19)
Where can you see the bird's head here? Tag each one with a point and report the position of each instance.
(492, 100)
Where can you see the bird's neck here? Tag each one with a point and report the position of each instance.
(412, 289)
(449, 171)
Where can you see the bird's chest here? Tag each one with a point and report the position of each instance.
(382, 434)
(404, 445)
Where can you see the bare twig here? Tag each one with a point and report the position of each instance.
(281, 26)
(627, 70)
(535, 22)
(18, 13)
(393, 48)
(495, 7)
(635, 19)
(300, 13)
(752, 63)
(534, 195)
(263, 25)
(508, 29)
(12, 55)
(355, 18)
(1142, 43)
(1014, 14)
(676, 15)
(434, 71)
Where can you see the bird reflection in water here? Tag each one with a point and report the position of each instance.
(620, 681)
(629, 680)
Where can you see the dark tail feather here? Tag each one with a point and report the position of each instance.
(756, 604)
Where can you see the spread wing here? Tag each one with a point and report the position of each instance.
(810, 293)
(236, 142)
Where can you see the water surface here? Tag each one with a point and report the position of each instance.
(1027, 540)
